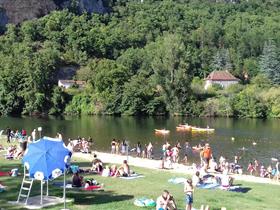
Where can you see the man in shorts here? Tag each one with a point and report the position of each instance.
(207, 155)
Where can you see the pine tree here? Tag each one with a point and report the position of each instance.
(270, 62)
(221, 61)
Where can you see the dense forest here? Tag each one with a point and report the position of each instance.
(146, 58)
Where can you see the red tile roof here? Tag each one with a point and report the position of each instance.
(221, 76)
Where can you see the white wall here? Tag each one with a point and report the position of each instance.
(64, 85)
(224, 84)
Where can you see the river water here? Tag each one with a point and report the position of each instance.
(265, 133)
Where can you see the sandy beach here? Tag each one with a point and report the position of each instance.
(155, 165)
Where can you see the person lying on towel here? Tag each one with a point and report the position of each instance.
(123, 170)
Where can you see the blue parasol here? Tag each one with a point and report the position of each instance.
(46, 159)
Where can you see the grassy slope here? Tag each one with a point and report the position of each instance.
(119, 194)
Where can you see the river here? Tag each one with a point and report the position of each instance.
(265, 133)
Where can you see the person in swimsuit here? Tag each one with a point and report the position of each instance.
(123, 170)
(138, 149)
(188, 190)
(113, 146)
(166, 202)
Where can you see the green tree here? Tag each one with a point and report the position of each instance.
(59, 100)
(221, 60)
(172, 67)
(270, 62)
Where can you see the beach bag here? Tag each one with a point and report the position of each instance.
(14, 172)
(74, 169)
(144, 202)
(2, 188)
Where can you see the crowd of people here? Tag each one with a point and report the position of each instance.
(18, 140)
(209, 168)
(80, 144)
(171, 154)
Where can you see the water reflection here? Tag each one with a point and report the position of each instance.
(265, 133)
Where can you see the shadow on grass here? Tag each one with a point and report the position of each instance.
(242, 189)
(97, 197)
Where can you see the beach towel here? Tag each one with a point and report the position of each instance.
(132, 176)
(144, 202)
(208, 186)
(2, 173)
(211, 186)
(177, 180)
(69, 186)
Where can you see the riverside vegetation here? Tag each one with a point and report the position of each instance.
(146, 58)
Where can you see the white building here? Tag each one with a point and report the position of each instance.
(223, 78)
(70, 83)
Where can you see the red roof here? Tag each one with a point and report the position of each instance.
(221, 76)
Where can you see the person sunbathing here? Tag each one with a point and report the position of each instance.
(97, 164)
(11, 151)
(196, 179)
(166, 202)
(113, 170)
(226, 180)
(123, 170)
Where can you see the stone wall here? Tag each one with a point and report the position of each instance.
(20, 10)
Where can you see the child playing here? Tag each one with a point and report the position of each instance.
(188, 190)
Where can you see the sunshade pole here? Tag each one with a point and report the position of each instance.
(42, 192)
(47, 188)
(64, 190)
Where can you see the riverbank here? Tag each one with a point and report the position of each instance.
(155, 165)
(120, 194)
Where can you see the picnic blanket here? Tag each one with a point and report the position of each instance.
(2, 173)
(69, 186)
(233, 188)
(132, 176)
(210, 185)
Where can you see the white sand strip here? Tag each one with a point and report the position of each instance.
(155, 164)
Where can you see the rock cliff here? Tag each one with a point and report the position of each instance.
(16, 11)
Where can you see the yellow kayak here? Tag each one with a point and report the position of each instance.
(162, 131)
(195, 129)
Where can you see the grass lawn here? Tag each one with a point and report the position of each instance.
(119, 194)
